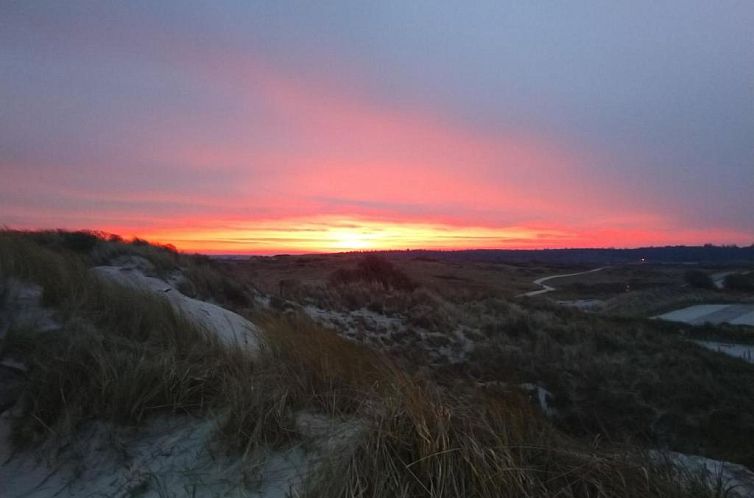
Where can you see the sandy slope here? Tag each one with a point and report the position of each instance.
(738, 481)
(228, 326)
(743, 351)
(23, 308)
(167, 457)
(103, 461)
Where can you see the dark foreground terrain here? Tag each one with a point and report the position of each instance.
(363, 375)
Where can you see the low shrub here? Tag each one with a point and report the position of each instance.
(699, 279)
(613, 377)
(740, 282)
(374, 268)
(81, 241)
(203, 280)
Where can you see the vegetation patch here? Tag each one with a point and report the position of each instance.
(740, 282)
(374, 269)
(699, 279)
(627, 379)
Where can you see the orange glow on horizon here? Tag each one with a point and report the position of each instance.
(342, 234)
(327, 234)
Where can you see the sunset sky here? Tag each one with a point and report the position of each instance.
(268, 127)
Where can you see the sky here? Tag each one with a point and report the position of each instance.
(283, 127)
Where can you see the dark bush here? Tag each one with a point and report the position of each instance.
(699, 279)
(342, 276)
(233, 292)
(82, 241)
(139, 242)
(203, 279)
(740, 282)
(373, 268)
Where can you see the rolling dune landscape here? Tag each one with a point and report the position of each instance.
(376, 249)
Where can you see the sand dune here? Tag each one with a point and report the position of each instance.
(228, 326)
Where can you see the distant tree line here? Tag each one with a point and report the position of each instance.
(669, 254)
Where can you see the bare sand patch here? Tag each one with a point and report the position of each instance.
(743, 351)
(737, 314)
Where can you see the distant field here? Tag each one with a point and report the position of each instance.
(443, 276)
(625, 289)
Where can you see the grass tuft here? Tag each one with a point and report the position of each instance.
(375, 269)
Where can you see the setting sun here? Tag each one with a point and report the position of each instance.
(350, 240)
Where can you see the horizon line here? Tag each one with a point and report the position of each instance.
(542, 249)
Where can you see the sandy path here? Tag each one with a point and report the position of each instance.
(546, 288)
(719, 278)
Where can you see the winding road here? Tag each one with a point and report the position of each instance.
(546, 288)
